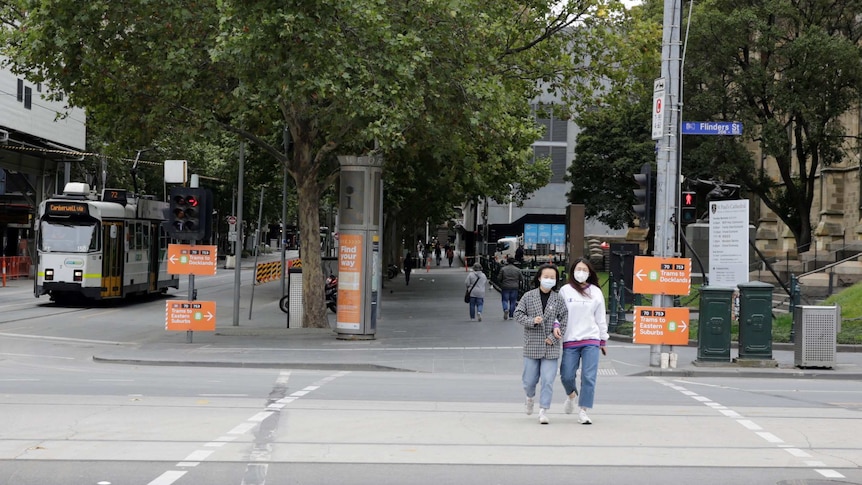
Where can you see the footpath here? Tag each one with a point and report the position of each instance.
(422, 327)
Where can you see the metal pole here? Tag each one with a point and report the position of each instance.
(256, 253)
(667, 182)
(284, 211)
(238, 243)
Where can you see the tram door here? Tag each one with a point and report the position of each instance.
(153, 250)
(112, 259)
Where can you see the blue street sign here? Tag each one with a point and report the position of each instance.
(730, 128)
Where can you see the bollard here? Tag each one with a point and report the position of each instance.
(4, 272)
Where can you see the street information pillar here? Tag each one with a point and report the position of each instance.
(666, 132)
(359, 264)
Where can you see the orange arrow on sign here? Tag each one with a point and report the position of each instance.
(183, 315)
(196, 260)
(658, 325)
(662, 276)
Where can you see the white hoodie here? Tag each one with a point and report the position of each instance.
(587, 320)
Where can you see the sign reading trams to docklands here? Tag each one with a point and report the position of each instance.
(662, 276)
(196, 260)
(660, 326)
(184, 315)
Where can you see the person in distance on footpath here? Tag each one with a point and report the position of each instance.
(408, 267)
(585, 336)
(475, 282)
(510, 279)
(544, 316)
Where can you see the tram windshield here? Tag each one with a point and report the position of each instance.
(68, 238)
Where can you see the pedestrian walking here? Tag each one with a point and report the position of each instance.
(450, 255)
(585, 336)
(409, 262)
(544, 316)
(475, 282)
(438, 253)
(509, 279)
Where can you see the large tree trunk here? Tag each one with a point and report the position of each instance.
(308, 192)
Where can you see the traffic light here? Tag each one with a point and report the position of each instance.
(643, 194)
(688, 211)
(191, 211)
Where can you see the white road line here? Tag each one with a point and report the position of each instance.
(769, 437)
(797, 452)
(701, 399)
(215, 444)
(199, 455)
(749, 424)
(299, 393)
(260, 416)
(242, 428)
(188, 463)
(168, 477)
(829, 473)
(226, 438)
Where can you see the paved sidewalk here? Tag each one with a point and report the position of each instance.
(423, 327)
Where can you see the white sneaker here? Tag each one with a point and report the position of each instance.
(480, 316)
(583, 418)
(529, 406)
(569, 405)
(543, 419)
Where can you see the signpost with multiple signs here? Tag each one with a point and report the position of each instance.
(194, 315)
(660, 326)
(661, 276)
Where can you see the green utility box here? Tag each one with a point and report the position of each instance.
(755, 320)
(713, 330)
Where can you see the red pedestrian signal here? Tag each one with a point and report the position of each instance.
(688, 209)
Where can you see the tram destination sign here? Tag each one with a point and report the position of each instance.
(660, 326)
(662, 276)
(54, 208)
(184, 315)
(196, 260)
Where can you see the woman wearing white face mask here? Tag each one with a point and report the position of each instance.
(585, 336)
(543, 315)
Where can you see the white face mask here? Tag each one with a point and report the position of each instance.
(581, 276)
(547, 283)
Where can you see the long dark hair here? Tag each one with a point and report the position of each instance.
(592, 279)
(539, 275)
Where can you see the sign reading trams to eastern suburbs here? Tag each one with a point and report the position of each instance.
(188, 259)
(658, 326)
(662, 276)
(184, 315)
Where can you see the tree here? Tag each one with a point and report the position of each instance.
(788, 71)
(615, 137)
(358, 77)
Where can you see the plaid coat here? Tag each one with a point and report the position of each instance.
(530, 307)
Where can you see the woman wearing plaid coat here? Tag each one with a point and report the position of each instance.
(544, 315)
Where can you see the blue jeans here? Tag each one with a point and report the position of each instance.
(536, 370)
(476, 305)
(588, 359)
(510, 300)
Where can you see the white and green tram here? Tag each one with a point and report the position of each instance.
(100, 248)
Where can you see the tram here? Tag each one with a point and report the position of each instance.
(101, 248)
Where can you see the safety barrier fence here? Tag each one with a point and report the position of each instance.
(14, 267)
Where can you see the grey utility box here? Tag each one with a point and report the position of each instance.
(816, 329)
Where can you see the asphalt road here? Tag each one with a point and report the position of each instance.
(66, 419)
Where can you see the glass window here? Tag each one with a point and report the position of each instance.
(68, 237)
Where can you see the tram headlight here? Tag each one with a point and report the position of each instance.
(49, 274)
(78, 275)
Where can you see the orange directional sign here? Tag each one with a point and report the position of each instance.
(657, 325)
(188, 259)
(662, 276)
(182, 315)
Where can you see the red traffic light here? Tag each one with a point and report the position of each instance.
(192, 201)
(688, 199)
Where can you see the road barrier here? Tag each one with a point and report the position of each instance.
(15, 267)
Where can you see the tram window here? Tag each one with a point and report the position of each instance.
(68, 238)
(146, 235)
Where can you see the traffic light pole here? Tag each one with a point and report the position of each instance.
(667, 159)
